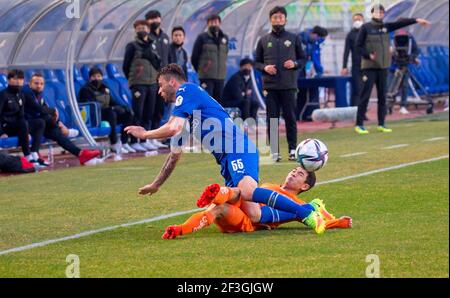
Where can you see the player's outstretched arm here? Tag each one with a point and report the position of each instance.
(164, 174)
(172, 128)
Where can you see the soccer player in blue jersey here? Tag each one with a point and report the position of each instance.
(233, 150)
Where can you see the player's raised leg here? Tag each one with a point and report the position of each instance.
(195, 223)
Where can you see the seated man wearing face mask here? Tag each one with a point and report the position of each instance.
(97, 91)
(13, 122)
(238, 92)
(37, 109)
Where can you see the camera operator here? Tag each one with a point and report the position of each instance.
(405, 52)
(373, 45)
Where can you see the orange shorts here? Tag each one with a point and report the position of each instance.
(236, 221)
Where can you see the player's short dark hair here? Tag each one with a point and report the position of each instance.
(214, 17)
(321, 31)
(379, 7)
(278, 9)
(36, 75)
(140, 23)
(311, 179)
(358, 14)
(94, 71)
(172, 71)
(16, 74)
(178, 28)
(246, 61)
(152, 14)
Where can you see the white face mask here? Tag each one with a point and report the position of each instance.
(357, 24)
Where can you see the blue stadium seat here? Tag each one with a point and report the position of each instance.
(78, 80)
(28, 74)
(124, 90)
(3, 81)
(9, 143)
(60, 99)
(84, 70)
(441, 63)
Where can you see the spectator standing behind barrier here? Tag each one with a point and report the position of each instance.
(239, 93)
(279, 56)
(96, 91)
(374, 46)
(12, 118)
(140, 66)
(312, 39)
(177, 54)
(209, 58)
(413, 52)
(350, 48)
(37, 109)
(162, 43)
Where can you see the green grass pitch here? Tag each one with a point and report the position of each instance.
(400, 215)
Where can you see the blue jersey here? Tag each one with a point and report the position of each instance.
(218, 134)
(313, 49)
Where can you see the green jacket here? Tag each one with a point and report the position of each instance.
(209, 56)
(141, 63)
(374, 39)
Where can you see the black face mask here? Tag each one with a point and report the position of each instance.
(155, 26)
(377, 20)
(14, 89)
(278, 28)
(214, 30)
(96, 83)
(178, 45)
(246, 72)
(141, 35)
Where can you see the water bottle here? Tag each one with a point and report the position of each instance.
(309, 69)
(349, 92)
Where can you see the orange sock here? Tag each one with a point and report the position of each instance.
(340, 223)
(197, 222)
(224, 195)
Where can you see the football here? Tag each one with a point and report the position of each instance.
(312, 154)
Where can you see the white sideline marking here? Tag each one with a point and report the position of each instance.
(354, 154)
(435, 139)
(92, 232)
(383, 170)
(123, 169)
(396, 146)
(162, 217)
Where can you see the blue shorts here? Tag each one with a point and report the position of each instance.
(235, 166)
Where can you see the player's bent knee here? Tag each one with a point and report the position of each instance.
(252, 210)
(219, 211)
(247, 187)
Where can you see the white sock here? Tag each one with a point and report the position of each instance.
(34, 155)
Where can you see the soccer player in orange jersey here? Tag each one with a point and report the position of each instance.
(225, 209)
